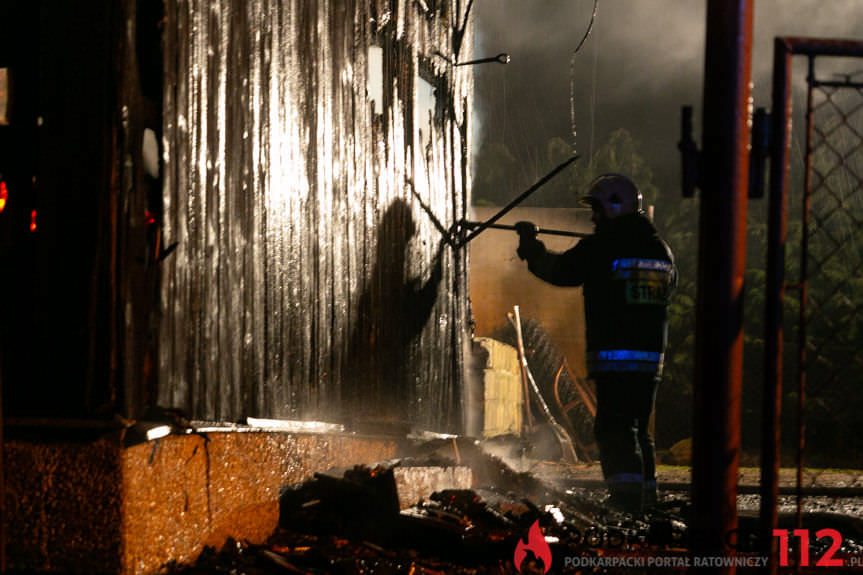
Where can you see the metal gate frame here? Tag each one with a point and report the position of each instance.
(784, 49)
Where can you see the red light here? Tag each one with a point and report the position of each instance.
(150, 218)
(4, 195)
(33, 221)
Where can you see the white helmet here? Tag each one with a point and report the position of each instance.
(615, 195)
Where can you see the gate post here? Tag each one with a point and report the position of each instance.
(775, 294)
(719, 330)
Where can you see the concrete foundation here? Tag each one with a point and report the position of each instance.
(100, 507)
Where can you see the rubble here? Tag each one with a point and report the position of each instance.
(354, 523)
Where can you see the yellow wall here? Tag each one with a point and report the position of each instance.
(502, 389)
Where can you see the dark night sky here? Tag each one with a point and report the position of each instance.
(643, 61)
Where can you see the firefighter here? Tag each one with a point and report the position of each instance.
(628, 274)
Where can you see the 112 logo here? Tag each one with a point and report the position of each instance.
(826, 560)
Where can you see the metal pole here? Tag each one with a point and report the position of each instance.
(567, 448)
(719, 330)
(522, 360)
(771, 406)
(803, 293)
(521, 197)
(564, 233)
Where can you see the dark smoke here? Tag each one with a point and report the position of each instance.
(649, 61)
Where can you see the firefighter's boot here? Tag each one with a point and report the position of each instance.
(626, 496)
(649, 496)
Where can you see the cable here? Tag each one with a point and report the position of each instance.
(572, 71)
(589, 28)
(593, 101)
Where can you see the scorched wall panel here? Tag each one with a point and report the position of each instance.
(313, 151)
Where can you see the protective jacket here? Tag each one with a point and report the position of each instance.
(628, 275)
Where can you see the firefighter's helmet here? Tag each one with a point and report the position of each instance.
(614, 195)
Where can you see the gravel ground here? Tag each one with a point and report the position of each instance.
(748, 476)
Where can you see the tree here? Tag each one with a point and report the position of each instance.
(495, 171)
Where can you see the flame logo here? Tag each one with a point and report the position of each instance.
(536, 543)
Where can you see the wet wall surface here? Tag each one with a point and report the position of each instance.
(313, 152)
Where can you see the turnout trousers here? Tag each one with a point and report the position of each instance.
(627, 453)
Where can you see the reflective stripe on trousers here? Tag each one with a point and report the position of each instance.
(619, 478)
(625, 361)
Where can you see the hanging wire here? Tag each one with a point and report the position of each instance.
(572, 72)
(593, 101)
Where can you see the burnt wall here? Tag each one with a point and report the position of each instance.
(312, 153)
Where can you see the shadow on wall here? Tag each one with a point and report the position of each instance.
(393, 310)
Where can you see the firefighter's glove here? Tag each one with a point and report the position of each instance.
(528, 245)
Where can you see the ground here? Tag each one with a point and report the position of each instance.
(530, 506)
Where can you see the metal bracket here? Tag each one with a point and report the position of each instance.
(759, 152)
(502, 58)
(690, 155)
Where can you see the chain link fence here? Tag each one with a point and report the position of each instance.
(830, 366)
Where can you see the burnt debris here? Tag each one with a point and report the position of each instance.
(351, 522)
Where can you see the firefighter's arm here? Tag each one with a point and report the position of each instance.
(566, 269)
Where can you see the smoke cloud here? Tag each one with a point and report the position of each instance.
(643, 61)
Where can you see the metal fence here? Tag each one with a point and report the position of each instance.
(829, 338)
(820, 228)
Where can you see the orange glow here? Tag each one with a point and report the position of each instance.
(4, 195)
(33, 221)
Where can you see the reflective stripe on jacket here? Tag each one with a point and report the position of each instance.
(628, 274)
(625, 360)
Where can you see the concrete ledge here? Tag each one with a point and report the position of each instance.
(101, 508)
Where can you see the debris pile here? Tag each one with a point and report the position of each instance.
(353, 524)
